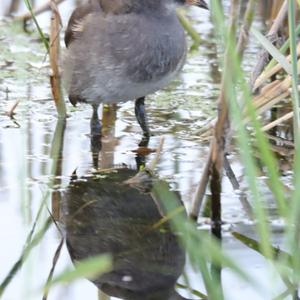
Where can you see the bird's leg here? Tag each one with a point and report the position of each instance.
(141, 116)
(95, 126)
(140, 161)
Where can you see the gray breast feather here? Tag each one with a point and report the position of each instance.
(151, 49)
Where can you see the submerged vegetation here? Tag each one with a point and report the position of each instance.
(258, 121)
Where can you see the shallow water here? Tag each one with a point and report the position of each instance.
(177, 113)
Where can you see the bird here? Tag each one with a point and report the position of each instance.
(121, 50)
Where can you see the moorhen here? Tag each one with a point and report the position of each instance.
(119, 50)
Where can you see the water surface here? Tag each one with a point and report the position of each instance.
(177, 113)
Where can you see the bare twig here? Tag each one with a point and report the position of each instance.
(154, 162)
(201, 188)
(11, 112)
(278, 121)
(221, 129)
(230, 174)
(282, 141)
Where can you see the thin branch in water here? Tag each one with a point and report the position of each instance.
(55, 78)
(200, 192)
(11, 112)
(154, 162)
(278, 121)
(230, 174)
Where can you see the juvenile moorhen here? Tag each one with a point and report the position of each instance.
(119, 50)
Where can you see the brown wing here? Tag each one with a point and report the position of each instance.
(77, 16)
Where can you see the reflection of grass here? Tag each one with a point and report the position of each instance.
(31, 241)
(88, 268)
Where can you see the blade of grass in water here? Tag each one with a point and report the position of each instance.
(40, 31)
(282, 50)
(27, 249)
(200, 246)
(251, 173)
(232, 78)
(87, 268)
(34, 240)
(267, 156)
(189, 29)
(194, 292)
(54, 262)
(277, 55)
(53, 51)
(255, 245)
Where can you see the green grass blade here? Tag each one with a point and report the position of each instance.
(277, 55)
(194, 292)
(267, 156)
(201, 247)
(40, 31)
(189, 29)
(251, 174)
(256, 246)
(25, 253)
(282, 50)
(89, 268)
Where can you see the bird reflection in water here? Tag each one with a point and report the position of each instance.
(105, 214)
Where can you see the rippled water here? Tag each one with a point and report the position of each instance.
(177, 113)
